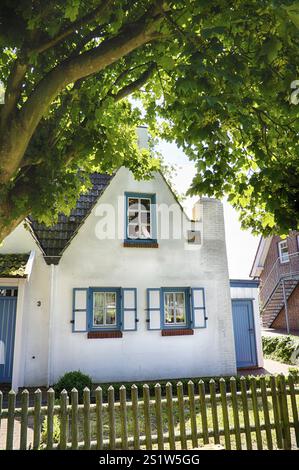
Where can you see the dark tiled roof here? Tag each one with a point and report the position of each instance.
(13, 265)
(53, 240)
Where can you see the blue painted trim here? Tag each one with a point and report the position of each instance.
(123, 309)
(203, 309)
(252, 326)
(243, 283)
(153, 206)
(149, 309)
(8, 313)
(186, 290)
(9, 287)
(78, 309)
(90, 325)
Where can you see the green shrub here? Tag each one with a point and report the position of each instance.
(280, 348)
(74, 379)
(56, 430)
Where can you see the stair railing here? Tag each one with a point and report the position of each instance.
(279, 271)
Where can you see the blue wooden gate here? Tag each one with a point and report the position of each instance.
(8, 307)
(244, 333)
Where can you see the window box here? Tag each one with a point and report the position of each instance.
(104, 334)
(177, 332)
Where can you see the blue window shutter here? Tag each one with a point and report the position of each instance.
(198, 308)
(153, 296)
(79, 319)
(129, 309)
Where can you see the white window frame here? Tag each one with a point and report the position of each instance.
(105, 308)
(139, 211)
(175, 323)
(284, 257)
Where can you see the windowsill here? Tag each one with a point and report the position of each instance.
(177, 332)
(104, 334)
(141, 244)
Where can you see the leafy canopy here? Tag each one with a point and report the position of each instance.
(214, 77)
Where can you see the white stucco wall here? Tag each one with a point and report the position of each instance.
(145, 354)
(251, 293)
(50, 348)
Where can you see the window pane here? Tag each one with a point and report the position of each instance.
(133, 217)
(145, 231)
(179, 299)
(133, 231)
(167, 298)
(145, 218)
(110, 299)
(98, 300)
(98, 316)
(111, 316)
(180, 315)
(169, 315)
(133, 203)
(145, 204)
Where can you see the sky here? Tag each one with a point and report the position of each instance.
(241, 244)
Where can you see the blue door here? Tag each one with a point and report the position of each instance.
(244, 333)
(8, 307)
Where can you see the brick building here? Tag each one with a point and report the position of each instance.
(276, 265)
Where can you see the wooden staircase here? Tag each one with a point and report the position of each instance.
(275, 301)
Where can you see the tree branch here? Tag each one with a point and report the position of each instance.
(13, 89)
(136, 84)
(93, 15)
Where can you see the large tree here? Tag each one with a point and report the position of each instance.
(213, 76)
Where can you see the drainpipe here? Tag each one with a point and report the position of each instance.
(51, 322)
(285, 307)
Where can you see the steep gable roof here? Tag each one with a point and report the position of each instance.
(53, 240)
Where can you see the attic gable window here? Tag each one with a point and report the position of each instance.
(140, 220)
(283, 251)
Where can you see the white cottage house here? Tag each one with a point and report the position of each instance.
(126, 288)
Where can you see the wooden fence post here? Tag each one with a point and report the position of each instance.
(63, 420)
(123, 416)
(294, 407)
(158, 408)
(283, 411)
(99, 417)
(50, 417)
(192, 413)
(74, 418)
(233, 389)
(86, 411)
(274, 395)
(134, 396)
(10, 419)
(37, 418)
(170, 416)
(203, 411)
(266, 412)
(256, 413)
(147, 417)
(222, 386)
(180, 393)
(111, 412)
(24, 419)
(244, 397)
(213, 401)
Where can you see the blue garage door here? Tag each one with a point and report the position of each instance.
(8, 305)
(244, 333)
